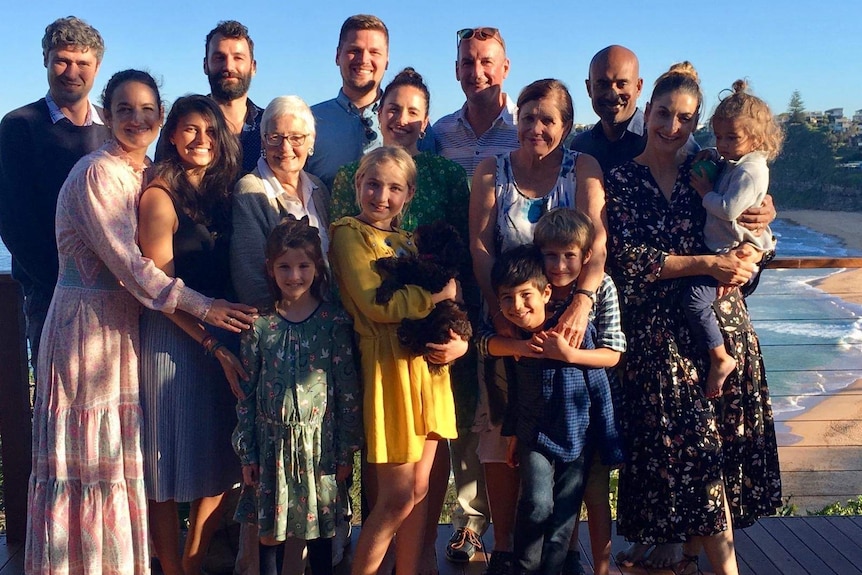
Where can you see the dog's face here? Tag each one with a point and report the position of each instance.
(442, 241)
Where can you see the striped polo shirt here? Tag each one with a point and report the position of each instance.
(456, 140)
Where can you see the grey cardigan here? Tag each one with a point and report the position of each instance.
(254, 217)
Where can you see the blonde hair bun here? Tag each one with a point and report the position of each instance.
(684, 68)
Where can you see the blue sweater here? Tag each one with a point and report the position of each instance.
(36, 155)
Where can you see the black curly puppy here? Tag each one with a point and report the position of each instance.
(442, 253)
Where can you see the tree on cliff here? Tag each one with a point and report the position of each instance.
(796, 108)
(804, 169)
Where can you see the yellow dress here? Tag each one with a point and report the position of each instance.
(403, 401)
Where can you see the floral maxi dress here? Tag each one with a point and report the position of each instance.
(86, 500)
(686, 453)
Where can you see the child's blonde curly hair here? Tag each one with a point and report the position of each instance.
(756, 116)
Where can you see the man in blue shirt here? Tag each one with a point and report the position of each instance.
(614, 85)
(347, 125)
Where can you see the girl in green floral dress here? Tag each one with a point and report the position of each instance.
(300, 421)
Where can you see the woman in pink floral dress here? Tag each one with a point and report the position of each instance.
(87, 504)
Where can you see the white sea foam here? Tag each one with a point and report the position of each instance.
(811, 339)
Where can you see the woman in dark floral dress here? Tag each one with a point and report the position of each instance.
(691, 461)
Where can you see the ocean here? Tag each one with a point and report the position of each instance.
(811, 340)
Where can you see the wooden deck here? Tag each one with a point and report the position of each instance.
(774, 546)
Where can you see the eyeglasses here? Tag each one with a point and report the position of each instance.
(480, 33)
(276, 140)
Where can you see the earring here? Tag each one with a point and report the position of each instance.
(263, 153)
(310, 151)
(421, 135)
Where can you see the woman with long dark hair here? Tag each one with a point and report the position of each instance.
(187, 404)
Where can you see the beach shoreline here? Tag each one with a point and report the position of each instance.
(847, 226)
(845, 285)
(832, 420)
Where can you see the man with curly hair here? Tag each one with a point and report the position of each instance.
(39, 144)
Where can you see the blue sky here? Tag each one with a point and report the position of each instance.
(815, 47)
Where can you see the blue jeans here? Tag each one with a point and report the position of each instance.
(697, 300)
(548, 507)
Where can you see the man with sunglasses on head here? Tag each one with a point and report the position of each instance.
(485, 124)
(483, 127)
(347, 125)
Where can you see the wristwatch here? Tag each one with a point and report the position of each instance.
(588, 293)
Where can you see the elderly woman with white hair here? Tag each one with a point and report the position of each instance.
(278, 186)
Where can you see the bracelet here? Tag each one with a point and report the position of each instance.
(588, 293)
(215, 347)
(207, 341)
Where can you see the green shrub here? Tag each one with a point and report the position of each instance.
(852, 507)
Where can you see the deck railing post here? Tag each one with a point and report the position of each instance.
(15, 423)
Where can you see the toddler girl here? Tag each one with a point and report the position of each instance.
(746, 136)
(406, 408)
(299, 423)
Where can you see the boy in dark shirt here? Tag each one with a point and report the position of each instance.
(555, 391)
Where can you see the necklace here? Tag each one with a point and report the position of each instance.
(367, 223)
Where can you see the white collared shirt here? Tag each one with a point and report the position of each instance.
(294, 206)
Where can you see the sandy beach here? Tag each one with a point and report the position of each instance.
(844, 225)
(826, 438)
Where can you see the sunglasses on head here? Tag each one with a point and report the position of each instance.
(482, 33)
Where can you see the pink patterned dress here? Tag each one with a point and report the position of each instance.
(87, 503)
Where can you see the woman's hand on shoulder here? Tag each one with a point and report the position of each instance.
(443, 353)
(234, 317)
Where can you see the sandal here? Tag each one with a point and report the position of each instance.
(689, 565)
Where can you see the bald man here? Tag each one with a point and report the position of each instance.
(614, 86)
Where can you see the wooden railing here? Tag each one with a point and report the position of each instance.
(804, 483)
(15, 426)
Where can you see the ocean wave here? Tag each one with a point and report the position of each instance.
(840, 333)
(809, 388)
